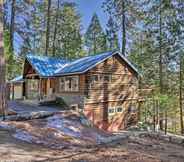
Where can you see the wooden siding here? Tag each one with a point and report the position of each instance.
(121, 91)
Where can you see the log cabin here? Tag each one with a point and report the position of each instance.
(103, 87)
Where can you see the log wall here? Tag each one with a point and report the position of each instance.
(121, 91)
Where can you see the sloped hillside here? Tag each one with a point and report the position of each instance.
(61, 130)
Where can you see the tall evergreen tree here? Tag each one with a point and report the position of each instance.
(126, 13)
(3, 104)
(48, 27)
(95, 38)
(69, 38)
(112, 34)
(12, 24)
(55, 28)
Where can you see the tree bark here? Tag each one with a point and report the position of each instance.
(180, 96)
(166, 122)
(160, 50)
(55, 30)
(3, 104)
(123, 28)
(12, 24)
(48, 27)
(160, 59)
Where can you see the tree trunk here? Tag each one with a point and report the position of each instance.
(55, 30)
(48, 27)
(123, 28)
(160, 50)
(160, 60)
(180, 96)
(12, 24)
(3, 104)
(94, 41)
(166, 122)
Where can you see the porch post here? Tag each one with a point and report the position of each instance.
(40, 89)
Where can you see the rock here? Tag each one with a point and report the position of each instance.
(29, 116)
(133, 128)
(11, 112)
(177, 139)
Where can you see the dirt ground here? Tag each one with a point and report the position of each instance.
(129, 150)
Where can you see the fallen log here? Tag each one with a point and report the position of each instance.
(29, 116)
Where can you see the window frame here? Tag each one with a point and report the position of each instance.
(76, 78)
(68, 84)
(111, 108)
(119, 107)
(93, 81)
(109, 78)
(62, 89)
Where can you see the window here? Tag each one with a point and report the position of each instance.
(69, 83)
(74, 83)
(119, 109)
(111, 111)
(107, 78)
(62, 84)
(94, 78)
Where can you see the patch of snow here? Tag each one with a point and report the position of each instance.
(23, 135)
(4, 125)
(65, 126)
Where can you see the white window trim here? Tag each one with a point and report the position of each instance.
(109, 108)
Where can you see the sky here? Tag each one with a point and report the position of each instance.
(87, 8)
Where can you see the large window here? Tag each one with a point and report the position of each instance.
(70, 83)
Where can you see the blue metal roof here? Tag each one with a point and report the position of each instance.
(45, 66)
(83, 64)
(48, 66)
(17, 79)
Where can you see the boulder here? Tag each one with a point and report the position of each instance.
(29, 116)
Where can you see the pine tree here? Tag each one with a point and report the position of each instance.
(3, 104)
(95, 38)
(69, 38)
(112, 35)
(12, 24)
(48, 27)
(126, 13)
(55, 28)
